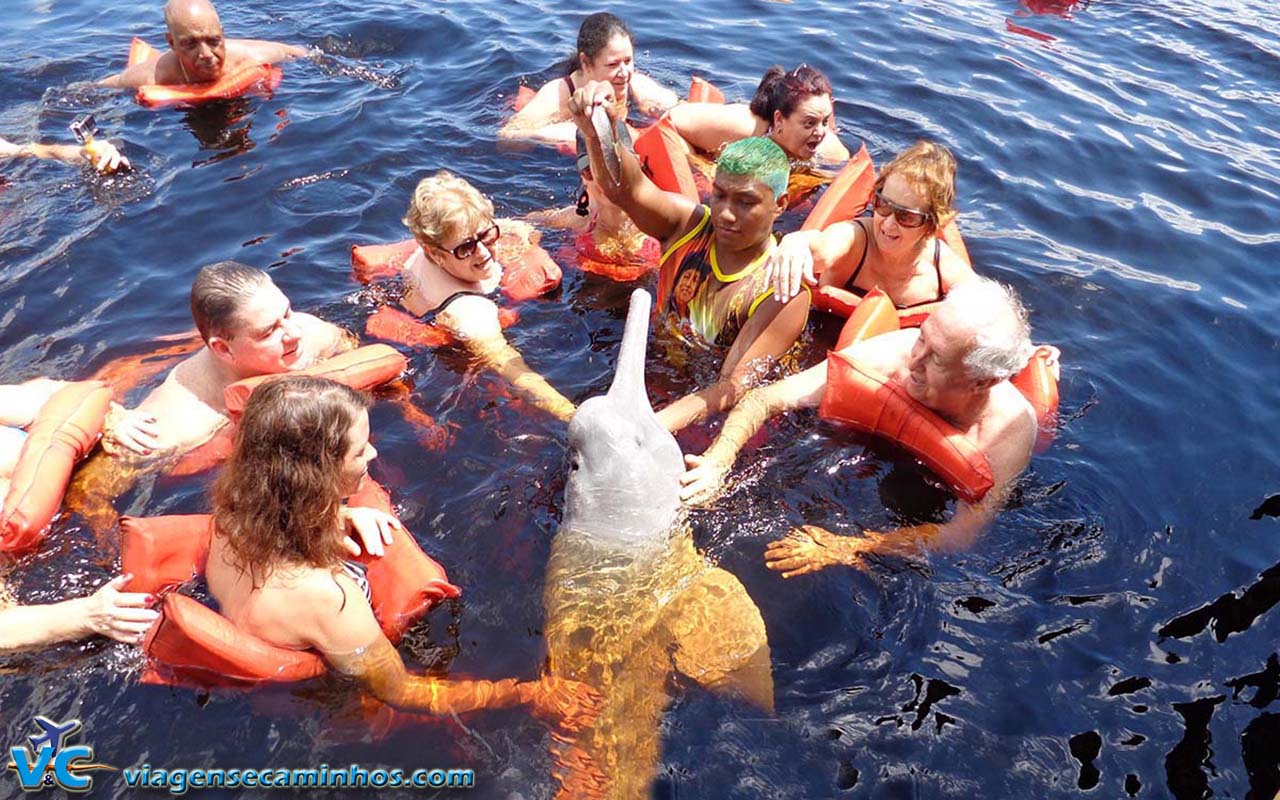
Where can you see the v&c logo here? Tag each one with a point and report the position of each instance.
(50, 761)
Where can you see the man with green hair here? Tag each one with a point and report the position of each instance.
(712, 292)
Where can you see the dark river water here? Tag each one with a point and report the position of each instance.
(1112, 635)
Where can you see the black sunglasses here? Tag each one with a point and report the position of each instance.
(906, 217)
(467, 247)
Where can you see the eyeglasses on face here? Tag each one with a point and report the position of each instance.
(467, 247)
(906, 217)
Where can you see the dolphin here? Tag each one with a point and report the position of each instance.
(629, 602)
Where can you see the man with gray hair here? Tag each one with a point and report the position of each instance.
(958, 364)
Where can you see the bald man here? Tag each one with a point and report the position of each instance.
(199, 53)
(958, 364)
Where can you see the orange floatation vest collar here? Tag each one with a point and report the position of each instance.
(63, 433)
(192, 644)
(871, 403)
(259, 79)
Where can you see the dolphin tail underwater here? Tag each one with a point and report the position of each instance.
(629, 601)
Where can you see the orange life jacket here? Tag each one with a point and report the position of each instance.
(64, 431)
(192, 644)
(873, 404)
(250, 79)
(362, 368)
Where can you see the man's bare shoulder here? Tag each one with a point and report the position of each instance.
(143, 74)
(192, 383)
(241, 52)
(1007, 430)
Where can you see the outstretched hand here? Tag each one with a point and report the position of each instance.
(809, 549)
(703, 479)
(368, 530)
(790, 264)
(129, 432)
(123, 616)
(569, 705)
(104, 156)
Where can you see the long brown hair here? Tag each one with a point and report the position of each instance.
(277, 499)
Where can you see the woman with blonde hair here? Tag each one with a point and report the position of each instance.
(452, 279)
(276, 562)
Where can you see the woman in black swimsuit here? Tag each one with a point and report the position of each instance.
(897, 249)
(451, 280)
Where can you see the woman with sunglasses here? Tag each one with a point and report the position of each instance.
(452, 280)
(277, 560)
(897, 249)
(605, 53)
(795, 109)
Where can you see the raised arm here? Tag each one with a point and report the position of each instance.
(662, 215)
(810, 257)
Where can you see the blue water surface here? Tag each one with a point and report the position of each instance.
(1119, 165)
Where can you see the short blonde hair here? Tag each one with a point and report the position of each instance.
(442, 204)
(931, 170)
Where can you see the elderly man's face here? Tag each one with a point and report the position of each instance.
(198, 43)
(937, 371)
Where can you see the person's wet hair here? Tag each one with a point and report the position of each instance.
(595, 33)
(780, 90)
(760, 158)
(277, 500)
(930, 168)
(1001, 330)
(219, 291)
(444, 203)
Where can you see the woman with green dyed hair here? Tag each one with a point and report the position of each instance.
(712, 291)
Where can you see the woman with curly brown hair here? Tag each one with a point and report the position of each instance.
(898, 249)
(276, 563)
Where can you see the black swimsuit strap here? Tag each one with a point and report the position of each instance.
(866, 246)
(937, 264)
(431, 315)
